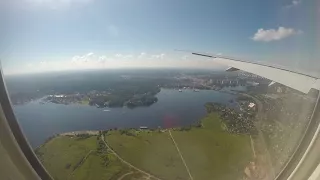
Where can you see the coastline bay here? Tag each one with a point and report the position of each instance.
(174, 109)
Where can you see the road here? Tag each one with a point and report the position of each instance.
(125, 175)
(127, 163)
(184, 162)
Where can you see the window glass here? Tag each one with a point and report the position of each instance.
(101, 92)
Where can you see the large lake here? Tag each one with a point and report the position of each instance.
(40, 121)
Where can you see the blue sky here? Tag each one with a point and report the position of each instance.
(51, 35)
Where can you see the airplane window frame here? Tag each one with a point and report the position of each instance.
(18, 133)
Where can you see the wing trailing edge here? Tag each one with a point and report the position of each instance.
(296, 80)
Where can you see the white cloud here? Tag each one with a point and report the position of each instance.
(110, 61)
(124, 56)
(118, 55)
(158, 56)
(102, 59)
(294, 3)
(142, 55)
(274, 35)
(85, 58)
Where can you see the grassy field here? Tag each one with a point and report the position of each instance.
(209, 152)
(62, 156)
(153, 152)
(61, 151)
(212, 153)
(94, 168)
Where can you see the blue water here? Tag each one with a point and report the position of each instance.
(40, 121)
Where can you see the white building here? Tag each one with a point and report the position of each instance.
(251, 105)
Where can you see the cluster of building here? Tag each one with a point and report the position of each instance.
(67, 98)
(238, 122)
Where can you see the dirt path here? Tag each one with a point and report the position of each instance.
(184, 162)
(252, 147)
(125, 175)
(127, 163)
(83, 160)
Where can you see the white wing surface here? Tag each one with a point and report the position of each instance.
(296, 80)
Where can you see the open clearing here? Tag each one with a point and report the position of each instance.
(209, 152)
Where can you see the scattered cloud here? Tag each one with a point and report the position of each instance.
(118, 55)
(124, 56)
(89, 54)
(274, 34)
(113, 61)
(85, 58)
(102, 59)
(158, 56)
(293, 3)
(143, 54)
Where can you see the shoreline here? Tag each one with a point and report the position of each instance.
(42, 100)
(96, 132)
(196, 124)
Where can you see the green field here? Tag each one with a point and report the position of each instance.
(212, 153)
(62, 156)
(153, 152)
(209, 152)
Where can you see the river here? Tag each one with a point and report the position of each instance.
(174, 108)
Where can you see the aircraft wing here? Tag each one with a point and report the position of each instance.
(296, 80)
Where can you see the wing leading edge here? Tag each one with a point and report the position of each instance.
(296, 80)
